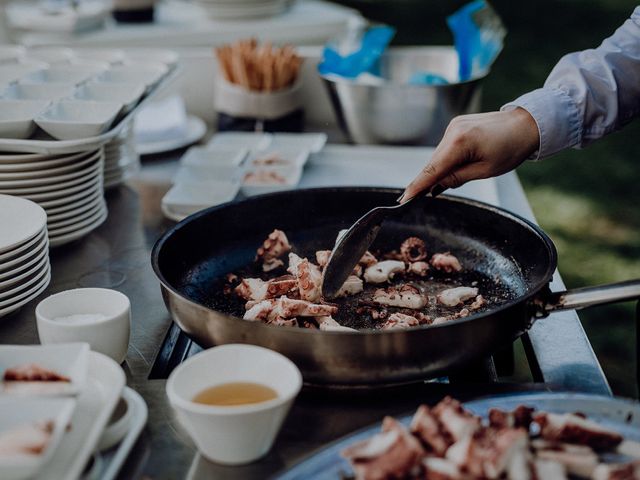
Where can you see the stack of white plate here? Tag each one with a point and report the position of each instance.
(68, 186)
(24, 252)
(121, 160)
(243, 9)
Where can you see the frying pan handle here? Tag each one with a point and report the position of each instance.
(588, 297)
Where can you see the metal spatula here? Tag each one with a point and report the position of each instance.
(353, 244)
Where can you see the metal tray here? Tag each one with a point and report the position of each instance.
(619, 414)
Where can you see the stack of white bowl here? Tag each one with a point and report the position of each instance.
(243, 9)
(68, 186)
(24, 252)
(121, 160)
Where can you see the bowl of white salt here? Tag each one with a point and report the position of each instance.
(99, 316)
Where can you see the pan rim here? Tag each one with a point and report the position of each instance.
(532, 292)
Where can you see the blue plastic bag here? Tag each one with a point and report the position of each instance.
(478, 36)
(373, 44)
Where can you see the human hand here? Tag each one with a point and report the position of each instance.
(477, 146)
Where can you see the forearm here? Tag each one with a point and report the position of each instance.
(588, 94)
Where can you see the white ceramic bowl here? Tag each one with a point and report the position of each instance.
(126, 93)
(17, 117)
(13, 72)
(37, 91)
(240, 434)
(108, 335)
(149, 75)
(71, 119)
(69, 74)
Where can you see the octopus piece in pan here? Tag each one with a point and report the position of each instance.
(405, 296)
(384, 271)
(275, 246)
(446, 262)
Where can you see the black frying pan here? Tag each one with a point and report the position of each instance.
(512, 256)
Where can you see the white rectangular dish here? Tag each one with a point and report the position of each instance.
(208, 174)
(37, 91)
(39, 423)
(104, 386)
(188, 197)
(127, 94)
(149, 75)
(278, 157)
(214, 156)
(73, 119)
(314, 142)
(17, 117)
(68, 75)
(271, 179)
(248, 140)
(69, 360)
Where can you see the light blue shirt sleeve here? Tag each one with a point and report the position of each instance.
(588, 94)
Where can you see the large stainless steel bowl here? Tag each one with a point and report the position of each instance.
(397, 113)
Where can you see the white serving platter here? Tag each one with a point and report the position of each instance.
(104, 386)
(291, 176)
(114, 459)
(19, 412)
(68, 359)
(214, 156)
(314, 142)
(249, 140)
(55, 147)
(279, 156)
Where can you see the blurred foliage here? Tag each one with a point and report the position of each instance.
(587, 200)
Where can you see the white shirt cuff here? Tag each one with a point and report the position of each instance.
(557, 117)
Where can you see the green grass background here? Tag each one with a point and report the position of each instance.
(587, 200)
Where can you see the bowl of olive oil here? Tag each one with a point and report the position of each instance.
(233, 399)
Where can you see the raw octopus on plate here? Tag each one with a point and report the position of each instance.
(448, 442)
(388, 287)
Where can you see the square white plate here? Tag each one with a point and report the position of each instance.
(214, 156)
(188, 197)
(68, 359)
(250, 140)
(148, 75)
(273, 157)
(17, 117)
(290, 175)
(19, 412)
(72, 119)
(314, 142)
(126, 93)
(38, 91)
(222, 173)
(67, 74)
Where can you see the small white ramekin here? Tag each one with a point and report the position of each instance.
(233, 435)
(109, 335)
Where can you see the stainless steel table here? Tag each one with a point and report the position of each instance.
(117, 256)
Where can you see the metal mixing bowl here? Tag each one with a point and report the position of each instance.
(397, 113)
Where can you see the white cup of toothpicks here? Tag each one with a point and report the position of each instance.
(258, 87)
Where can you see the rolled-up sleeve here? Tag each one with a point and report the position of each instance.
(588, 94)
